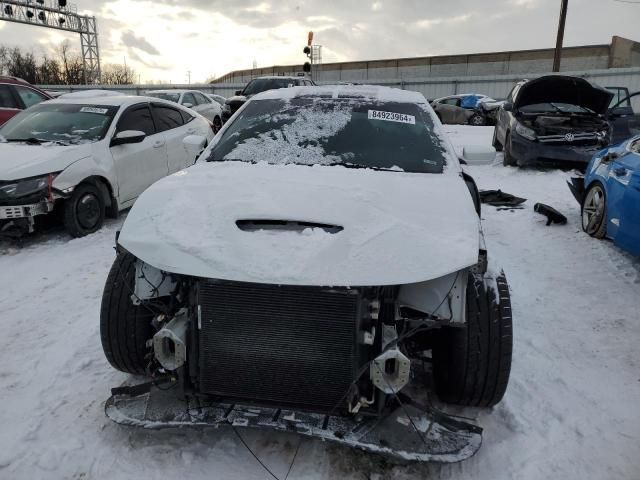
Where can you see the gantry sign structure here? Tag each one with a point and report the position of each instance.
(60, 16)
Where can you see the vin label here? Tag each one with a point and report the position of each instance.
(392, 117)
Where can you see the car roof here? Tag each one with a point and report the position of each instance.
(284, 77)
(119, 100)
(19, 81)
(369, 92)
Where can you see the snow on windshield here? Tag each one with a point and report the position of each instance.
(291, 143)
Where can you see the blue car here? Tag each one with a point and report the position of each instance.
(610, 195)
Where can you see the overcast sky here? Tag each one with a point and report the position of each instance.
(163, 40)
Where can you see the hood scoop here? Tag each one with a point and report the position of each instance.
(249, 225)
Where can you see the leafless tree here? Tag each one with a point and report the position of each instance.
(114, 74)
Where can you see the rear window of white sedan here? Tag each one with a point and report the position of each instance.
(352, 132)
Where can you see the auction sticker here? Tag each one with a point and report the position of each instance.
(101, 111)
(391, 117)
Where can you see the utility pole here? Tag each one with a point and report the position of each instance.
(559, 39)
(189, 77)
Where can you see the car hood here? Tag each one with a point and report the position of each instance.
(236, 99)
(564, 89)
(397, 227)
(20, 160)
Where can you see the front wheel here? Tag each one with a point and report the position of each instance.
(471, 364)
(124, 327)
(496, 144)
(84, 211)
(507, 158)
(477, 120)
(594, 211)
(217, 125)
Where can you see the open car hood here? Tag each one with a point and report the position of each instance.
(564, 89)
(371, 227)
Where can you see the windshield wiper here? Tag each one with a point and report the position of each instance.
(35, 141)
(30, 140)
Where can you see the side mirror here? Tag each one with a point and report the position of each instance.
(478, 154)
(127, 136)
(194, 145)
(507, 106)
(238, 92)
(187, 105)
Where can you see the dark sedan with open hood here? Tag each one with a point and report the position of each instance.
(554, 120)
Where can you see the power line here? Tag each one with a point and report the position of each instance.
(627, 1)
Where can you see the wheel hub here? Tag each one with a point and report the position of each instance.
(88, 211)
(593, 210)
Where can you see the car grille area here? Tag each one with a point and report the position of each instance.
(284, 344)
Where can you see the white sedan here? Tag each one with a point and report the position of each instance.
(90, 157)
(195, 100)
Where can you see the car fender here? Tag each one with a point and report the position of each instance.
(85, 168)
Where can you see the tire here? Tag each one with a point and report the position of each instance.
(507, 158)
(471, 365)
(594, 211)
(124, 327)
(84, 212)
(217, 124)
(496, 144)
(477, 120)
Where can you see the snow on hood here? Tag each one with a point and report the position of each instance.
(19, 160)
(397, 227)
(564, 89)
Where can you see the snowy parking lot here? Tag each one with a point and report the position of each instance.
(570, 412)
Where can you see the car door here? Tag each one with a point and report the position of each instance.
(206, 108)
(625, 122)
(175, 125)
(138, 165)
(628, 234)
(8, 103)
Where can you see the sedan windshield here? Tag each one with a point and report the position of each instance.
(355, 133)
(172, 97)
(59, 122)
(263, 84)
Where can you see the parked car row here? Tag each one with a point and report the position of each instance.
(89, 154)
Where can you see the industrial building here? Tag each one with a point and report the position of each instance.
(620, 53)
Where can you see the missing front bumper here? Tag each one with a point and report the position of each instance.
(441, 439)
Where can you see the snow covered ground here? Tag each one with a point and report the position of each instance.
(571, 410)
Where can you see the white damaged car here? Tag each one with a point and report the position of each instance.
(321, 269)
(87, 157)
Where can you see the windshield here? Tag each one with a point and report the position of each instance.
(553, 107)
(355, 133)
(263, 84)
(172, 97)
(62, 123)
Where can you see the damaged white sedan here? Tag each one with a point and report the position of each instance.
(320, 270)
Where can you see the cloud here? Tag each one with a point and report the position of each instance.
(163, 39)
(132, 41)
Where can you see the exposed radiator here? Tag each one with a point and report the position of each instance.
(283, 344)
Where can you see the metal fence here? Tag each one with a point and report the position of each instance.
(496, 86)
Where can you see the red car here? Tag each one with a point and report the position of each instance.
(16, 95)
